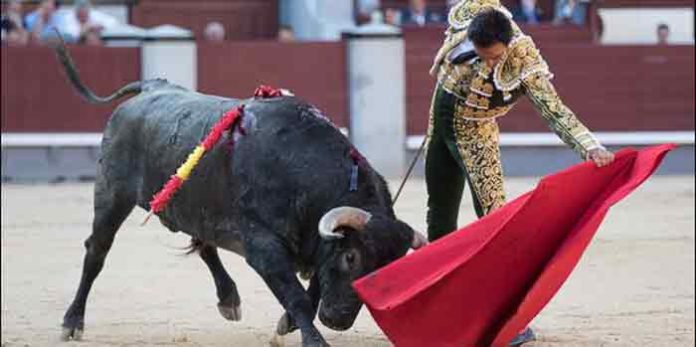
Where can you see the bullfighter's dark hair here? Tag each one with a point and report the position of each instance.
(490, 27)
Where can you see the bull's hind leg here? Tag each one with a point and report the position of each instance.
(110, 210)
(224, 285)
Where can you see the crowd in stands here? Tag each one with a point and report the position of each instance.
(81, 24)
(569, 16)
(214, 32)
(419, 13)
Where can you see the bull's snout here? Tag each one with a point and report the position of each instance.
(338, 319)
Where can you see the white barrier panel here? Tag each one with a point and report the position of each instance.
(69, 156)
(606, 138)
(172, 60)
(377, 100)
(413, 142)
(639, 25)
(170, 52)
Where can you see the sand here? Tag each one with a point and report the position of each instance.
(633, 286)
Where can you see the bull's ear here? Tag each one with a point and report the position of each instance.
(419, 240)
(409, 236)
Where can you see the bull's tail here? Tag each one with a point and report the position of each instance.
(74, 77)
(193, 247)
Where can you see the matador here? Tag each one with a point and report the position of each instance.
(484, 66)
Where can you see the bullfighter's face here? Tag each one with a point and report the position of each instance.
(492, 54)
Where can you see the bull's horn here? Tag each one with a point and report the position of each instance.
(342, 216)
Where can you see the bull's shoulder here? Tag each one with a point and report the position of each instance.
(288, 112)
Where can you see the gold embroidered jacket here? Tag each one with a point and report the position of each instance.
(484, 95)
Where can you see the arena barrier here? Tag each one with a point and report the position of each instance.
(628, 95)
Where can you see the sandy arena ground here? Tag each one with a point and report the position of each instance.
(634, 285)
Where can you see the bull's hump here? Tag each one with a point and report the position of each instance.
(291, 112)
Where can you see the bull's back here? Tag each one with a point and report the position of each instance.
(149, 136)
(153, 133)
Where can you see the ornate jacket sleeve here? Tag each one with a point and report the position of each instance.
(560, 118)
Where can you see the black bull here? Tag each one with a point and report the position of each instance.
(277, 195)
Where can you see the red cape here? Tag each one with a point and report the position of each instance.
(484, 283)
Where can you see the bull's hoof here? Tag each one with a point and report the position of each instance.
(314, 341)
(230, 307)
(315, 344)
(74, 334)
(73, 327)
(285, 325)
(233, 313)
(277, 341)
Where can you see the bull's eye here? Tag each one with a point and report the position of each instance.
(350, 260)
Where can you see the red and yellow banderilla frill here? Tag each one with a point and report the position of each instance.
(228, 120)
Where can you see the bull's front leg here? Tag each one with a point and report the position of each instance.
(273, 263)
(286, 324)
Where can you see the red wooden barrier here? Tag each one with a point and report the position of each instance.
(616, 88)
(242, 19)
(316, 72)
(37, 97)
(611, 88)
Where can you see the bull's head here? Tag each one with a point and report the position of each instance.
(356, 243)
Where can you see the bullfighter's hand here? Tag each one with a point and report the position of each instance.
(600, 156)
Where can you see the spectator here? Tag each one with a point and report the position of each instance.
(418, 14)
(43, 21)
(663, 34)
(13, 25)
(84, 20)
(13, 12)
(365, 8)
(91, 37)
(286, 34)
(527, 12)
(392, 16)
(214, 32)
(12, 34)
(574, 11)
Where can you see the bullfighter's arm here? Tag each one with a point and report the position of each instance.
(559, 117)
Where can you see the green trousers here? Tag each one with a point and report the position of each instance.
(445, 172)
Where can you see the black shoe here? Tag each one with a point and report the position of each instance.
(525, 336)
